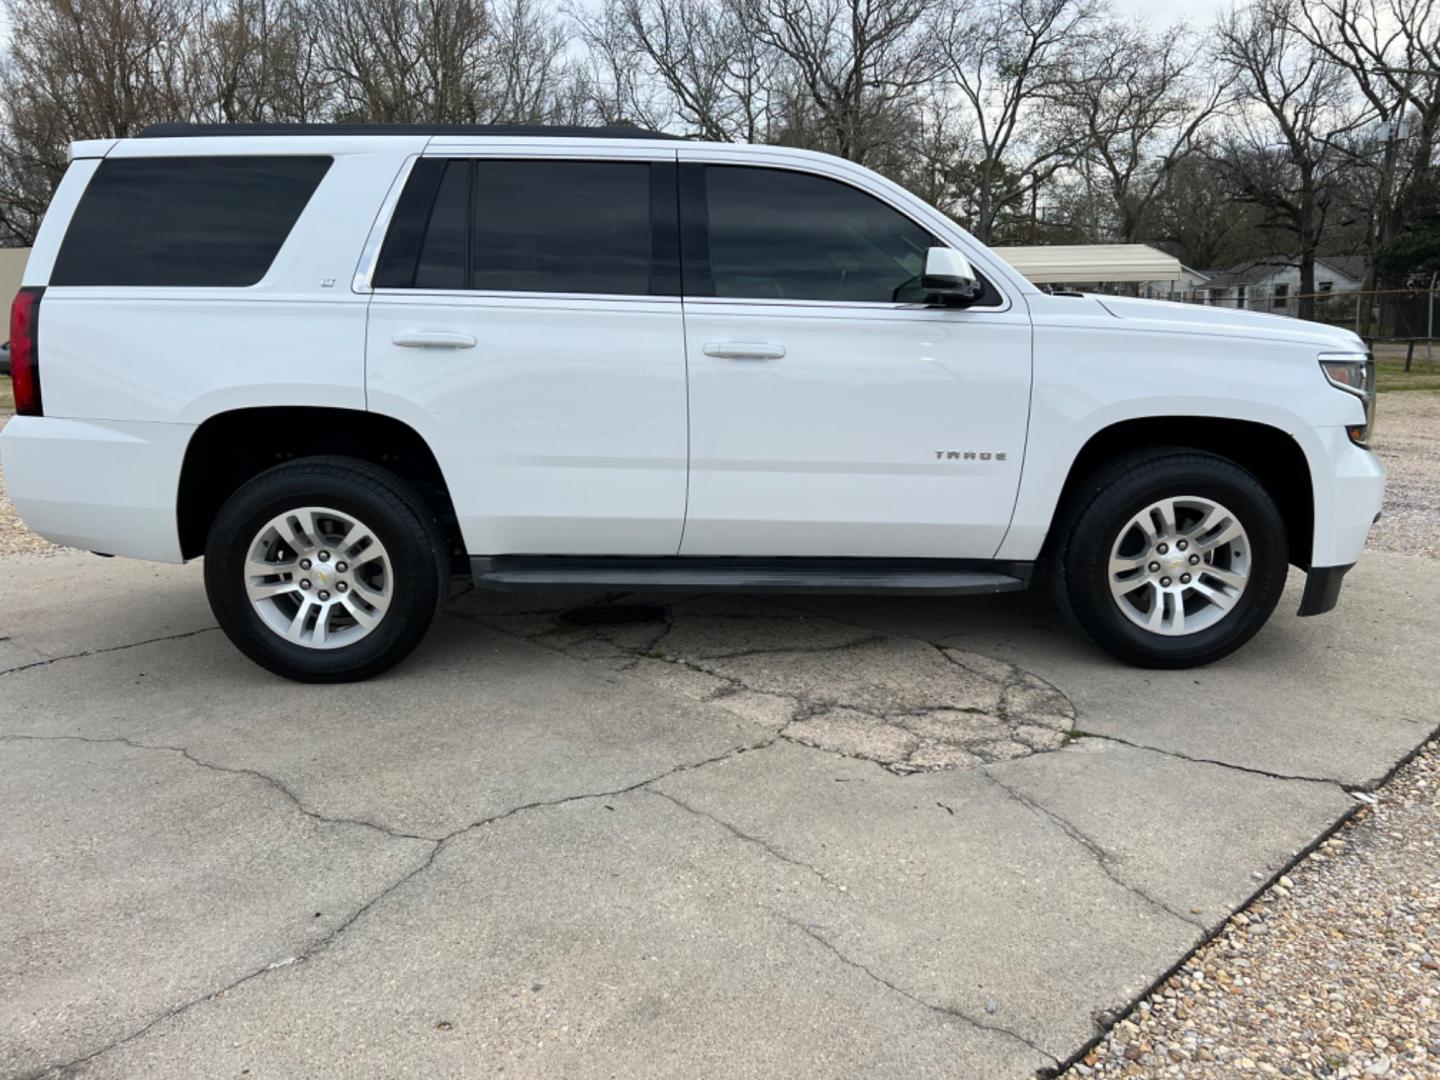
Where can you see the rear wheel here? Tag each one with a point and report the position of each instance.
(1171, 558)
(326, 569)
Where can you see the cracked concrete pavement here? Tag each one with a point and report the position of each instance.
(758, 837)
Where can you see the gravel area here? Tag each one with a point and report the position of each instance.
(1333, 972)
(1407, 438)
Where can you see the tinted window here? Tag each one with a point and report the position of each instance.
(188, 221)
(792, 236)
(562, 226)
(396, 267)
(442, 249)
(534, 226)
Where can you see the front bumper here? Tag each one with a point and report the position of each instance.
(102, 485)
(1349, 487)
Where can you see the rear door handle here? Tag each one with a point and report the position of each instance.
(744, 350)
(434, 339)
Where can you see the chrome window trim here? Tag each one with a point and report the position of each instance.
(519, 295)
(831, 306)
(622, 151)
(370, 253)
(844, 305)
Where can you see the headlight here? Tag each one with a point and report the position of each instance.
(1355, 374)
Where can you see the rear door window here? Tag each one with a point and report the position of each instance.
(543, 226)
(574, 226)
(442, 246)
(185, 221)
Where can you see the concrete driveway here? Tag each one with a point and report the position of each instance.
(835, 837)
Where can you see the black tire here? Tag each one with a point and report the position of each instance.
(1095, 513)
(399, 518)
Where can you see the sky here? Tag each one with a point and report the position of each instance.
(1156, 12)
(1159, 13)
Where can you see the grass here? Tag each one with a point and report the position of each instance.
(1390, 374)
(7, 395)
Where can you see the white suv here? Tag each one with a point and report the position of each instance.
(345, 363)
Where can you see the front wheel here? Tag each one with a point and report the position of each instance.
(326, 569)
(1170, 559)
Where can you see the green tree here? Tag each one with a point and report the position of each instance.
(1413, 256)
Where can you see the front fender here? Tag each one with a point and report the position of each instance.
(1093, 372)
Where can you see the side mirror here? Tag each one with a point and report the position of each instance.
(950, 278)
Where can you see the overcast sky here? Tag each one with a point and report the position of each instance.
(1154, 13)
(1157, 13)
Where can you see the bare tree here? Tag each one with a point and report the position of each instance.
(1330, 122)
(1391, 52)
(530, 79)
(1141, 104)
(928, 150)
(1078, 207)
(82, 69)
(1009, 61)
(690, 63)
(405, 60)
(1287, 144)
(624, 85)
(254, 61)
(849, 69)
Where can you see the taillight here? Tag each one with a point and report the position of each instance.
(25, 351)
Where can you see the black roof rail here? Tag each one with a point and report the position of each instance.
(187, 130)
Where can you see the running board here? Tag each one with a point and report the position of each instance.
(932, 577)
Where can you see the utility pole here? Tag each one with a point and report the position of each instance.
(1034, 204)
(1430, 324)
(1385, 211)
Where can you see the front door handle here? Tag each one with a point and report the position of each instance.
(434, 339)
(744, 350)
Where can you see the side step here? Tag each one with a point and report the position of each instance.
(934, 577)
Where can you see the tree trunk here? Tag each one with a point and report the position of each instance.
(1306, 306)
(982, 213)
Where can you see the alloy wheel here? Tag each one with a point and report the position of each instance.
(319, 577)
(1180, 565)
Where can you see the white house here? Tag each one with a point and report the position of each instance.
(1273, 284)
(1187, 284)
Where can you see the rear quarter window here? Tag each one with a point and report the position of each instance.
(185, 221)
